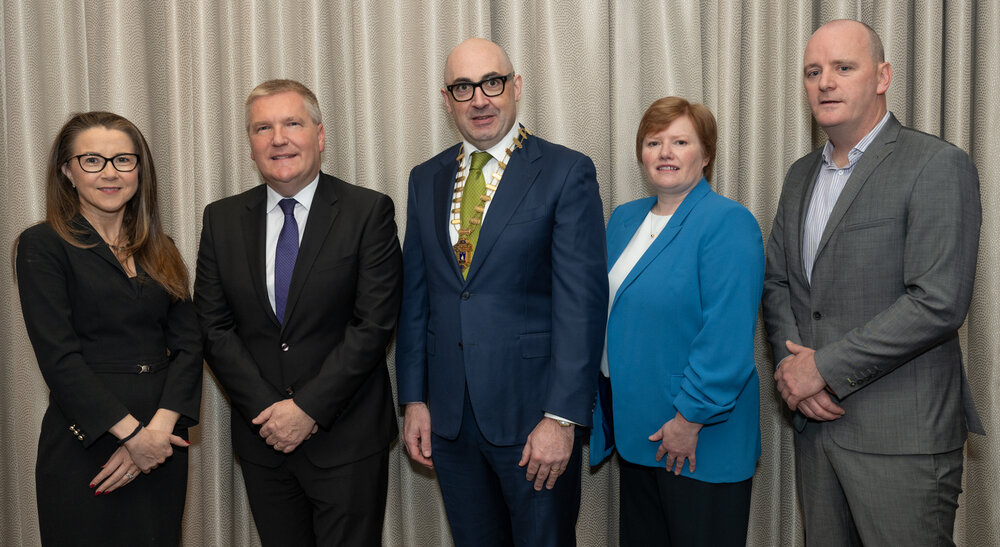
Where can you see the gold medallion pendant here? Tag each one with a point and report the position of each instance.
(463, 252)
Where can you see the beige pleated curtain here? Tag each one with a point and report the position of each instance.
(181, 70)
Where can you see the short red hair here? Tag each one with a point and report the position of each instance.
(664, 111)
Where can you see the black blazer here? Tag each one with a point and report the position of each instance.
(329, 353)
(88, 322)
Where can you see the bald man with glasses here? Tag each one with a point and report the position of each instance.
(505, 295)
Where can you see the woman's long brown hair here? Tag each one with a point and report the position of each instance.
(141, 227)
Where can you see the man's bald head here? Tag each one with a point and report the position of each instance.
(476, 50)
(874, 44)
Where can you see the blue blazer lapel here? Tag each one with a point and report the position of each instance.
(665, 237)
(517, 179)
(620, 234)
(322, 214)
(879, 149)
(254, 223)
(444, 186)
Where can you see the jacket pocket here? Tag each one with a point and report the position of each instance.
(528, 215)
(848, 227)
(335, 263)
(536, 345)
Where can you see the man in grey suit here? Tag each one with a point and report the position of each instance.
(870, 266)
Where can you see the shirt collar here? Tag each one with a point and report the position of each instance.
(498, 149)
(855, 154)
(304, 197)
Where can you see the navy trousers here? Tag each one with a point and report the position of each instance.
(489, 500)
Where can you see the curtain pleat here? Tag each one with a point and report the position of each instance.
(181, 70)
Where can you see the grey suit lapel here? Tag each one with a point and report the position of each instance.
(322, 214)
(879, 149)
(253, 224)
(797, 231)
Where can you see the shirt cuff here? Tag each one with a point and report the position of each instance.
(560, 419)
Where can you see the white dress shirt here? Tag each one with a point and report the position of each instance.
(276, 219)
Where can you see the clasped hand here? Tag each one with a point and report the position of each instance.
(285, 426)
(143, 452)
(803, 387)
(152, 446)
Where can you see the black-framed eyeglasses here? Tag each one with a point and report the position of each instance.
(491, 87)
(94, 163)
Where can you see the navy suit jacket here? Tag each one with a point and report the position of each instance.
(681, 335)
(524, 330)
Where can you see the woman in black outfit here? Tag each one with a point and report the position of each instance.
(105, 298)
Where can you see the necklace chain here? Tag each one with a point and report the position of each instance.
(477, 218)
(463, 248)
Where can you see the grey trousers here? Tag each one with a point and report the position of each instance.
(855, 498)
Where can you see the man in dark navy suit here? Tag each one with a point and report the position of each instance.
(504, 307)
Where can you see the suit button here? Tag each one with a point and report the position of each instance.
(817, 315)
(284, 346)
(465, 295)
(459, 345)
(289, 391)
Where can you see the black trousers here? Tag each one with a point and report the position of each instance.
(660, 508)
(299, 504)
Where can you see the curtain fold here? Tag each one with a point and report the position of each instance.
(181, 70)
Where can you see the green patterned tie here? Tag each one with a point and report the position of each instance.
(475, 187)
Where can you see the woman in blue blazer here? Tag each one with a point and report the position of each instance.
(679, 377)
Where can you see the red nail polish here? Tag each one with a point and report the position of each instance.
(92, 485)
(98, 493)
(189, 443)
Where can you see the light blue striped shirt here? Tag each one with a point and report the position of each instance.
(829, 184)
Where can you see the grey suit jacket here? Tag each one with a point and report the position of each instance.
(891, 285)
